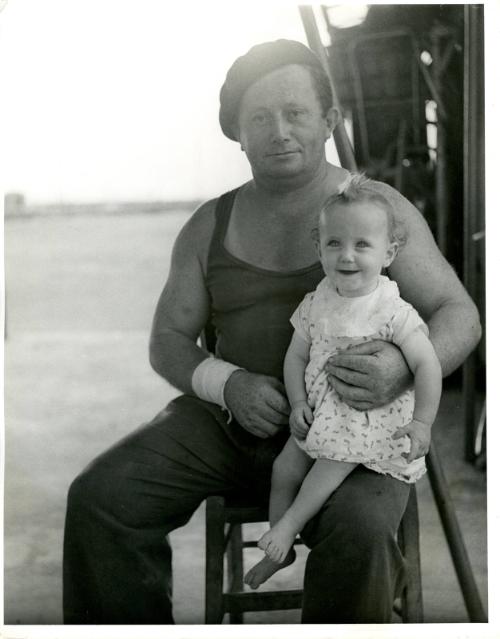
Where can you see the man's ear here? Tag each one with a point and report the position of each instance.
(332, 119)
(392, 251)
(238, 137)
(315, 239)
(317, 246)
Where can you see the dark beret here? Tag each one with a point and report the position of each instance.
(256, 63)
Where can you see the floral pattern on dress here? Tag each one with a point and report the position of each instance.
(329, 323)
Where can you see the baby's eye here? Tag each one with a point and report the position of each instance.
(333, 243)
(362, 244)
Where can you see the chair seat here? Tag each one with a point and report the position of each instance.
(241, 512)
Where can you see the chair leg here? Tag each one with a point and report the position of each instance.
(456, 545)
(411, 601)
(235, 567)
(214, 567)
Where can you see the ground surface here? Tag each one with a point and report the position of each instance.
(81, 294)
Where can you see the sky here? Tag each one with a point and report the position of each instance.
(118, 99)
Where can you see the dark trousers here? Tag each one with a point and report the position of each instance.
(117, 559)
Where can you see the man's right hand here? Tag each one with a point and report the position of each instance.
(258, 403)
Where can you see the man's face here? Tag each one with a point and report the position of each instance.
(281, 126)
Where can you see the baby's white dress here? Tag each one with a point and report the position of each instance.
(330, 322)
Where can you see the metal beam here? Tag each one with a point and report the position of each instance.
(342, 142)
(454, 538)
(473, 204)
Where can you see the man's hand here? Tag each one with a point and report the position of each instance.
(369, 375)
(300, 419)
(420, 437)
(257, 402)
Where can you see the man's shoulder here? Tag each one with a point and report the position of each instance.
(202, 221)
(196, 234)
(199, 227)
(402, 207)
(386, 189)
(204, 215)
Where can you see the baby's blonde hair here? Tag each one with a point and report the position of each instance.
(358, 188)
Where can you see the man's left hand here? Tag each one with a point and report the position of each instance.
(369, 375)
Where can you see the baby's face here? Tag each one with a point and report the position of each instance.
(354, 246)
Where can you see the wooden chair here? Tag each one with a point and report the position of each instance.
(224, 521)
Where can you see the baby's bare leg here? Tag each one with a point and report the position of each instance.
(289, 470)
(323, 478)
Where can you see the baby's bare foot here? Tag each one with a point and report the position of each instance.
(266, 568)
(276, 543)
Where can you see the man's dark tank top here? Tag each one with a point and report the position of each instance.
(252, 306)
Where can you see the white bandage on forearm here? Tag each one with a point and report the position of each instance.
(209, 379)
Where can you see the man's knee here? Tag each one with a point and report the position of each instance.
(111, 494)
(91, 488)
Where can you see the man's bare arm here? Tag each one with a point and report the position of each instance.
(429, 283)
(184, 306)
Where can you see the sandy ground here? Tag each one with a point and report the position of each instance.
(81, 294)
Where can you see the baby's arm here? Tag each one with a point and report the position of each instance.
(296, 359)
(423, 362)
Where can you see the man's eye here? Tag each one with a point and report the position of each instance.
(259, 118)
(295, 113)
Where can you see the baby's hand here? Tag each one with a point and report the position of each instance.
(420, 439)
(300, 419)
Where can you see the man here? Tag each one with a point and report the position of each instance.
(244, 262)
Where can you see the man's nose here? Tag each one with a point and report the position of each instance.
(280, 128)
